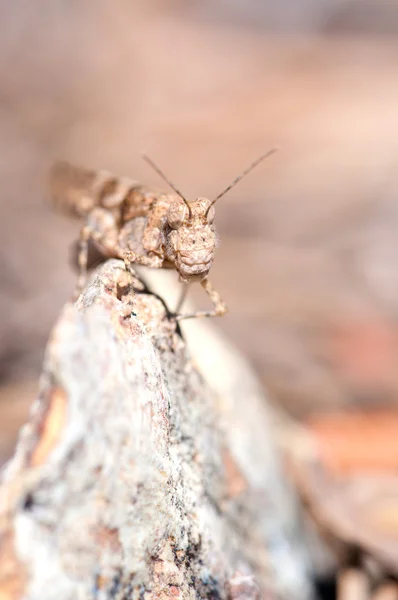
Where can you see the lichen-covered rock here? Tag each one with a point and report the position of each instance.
(134, 478)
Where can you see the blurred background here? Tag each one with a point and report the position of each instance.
(308, 262)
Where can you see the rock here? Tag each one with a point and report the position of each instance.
(134, 478)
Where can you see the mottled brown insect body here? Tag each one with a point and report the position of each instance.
(142, 226)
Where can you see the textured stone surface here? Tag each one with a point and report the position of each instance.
(135, 478)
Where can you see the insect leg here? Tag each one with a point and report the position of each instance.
(220, 308)
(131, 257)
(85, 235)
(182, 298)
(101, 228)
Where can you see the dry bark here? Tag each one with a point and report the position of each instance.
(134, 478)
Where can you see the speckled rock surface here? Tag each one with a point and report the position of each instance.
(135, 478)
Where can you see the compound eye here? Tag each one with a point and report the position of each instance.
(176, 214)
(211, 215)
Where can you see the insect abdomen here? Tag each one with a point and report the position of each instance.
(70, 188)
(77, 191)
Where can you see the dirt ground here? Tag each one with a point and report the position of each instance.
(307, 262)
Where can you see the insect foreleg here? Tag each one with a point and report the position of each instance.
(130, 258)
(220, 308)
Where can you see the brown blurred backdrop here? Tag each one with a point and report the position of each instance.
(308, 259)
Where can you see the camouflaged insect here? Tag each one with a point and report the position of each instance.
(127, 220)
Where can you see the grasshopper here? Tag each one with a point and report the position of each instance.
(127, 220)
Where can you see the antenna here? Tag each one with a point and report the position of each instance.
(163, 176)
(242, 175)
